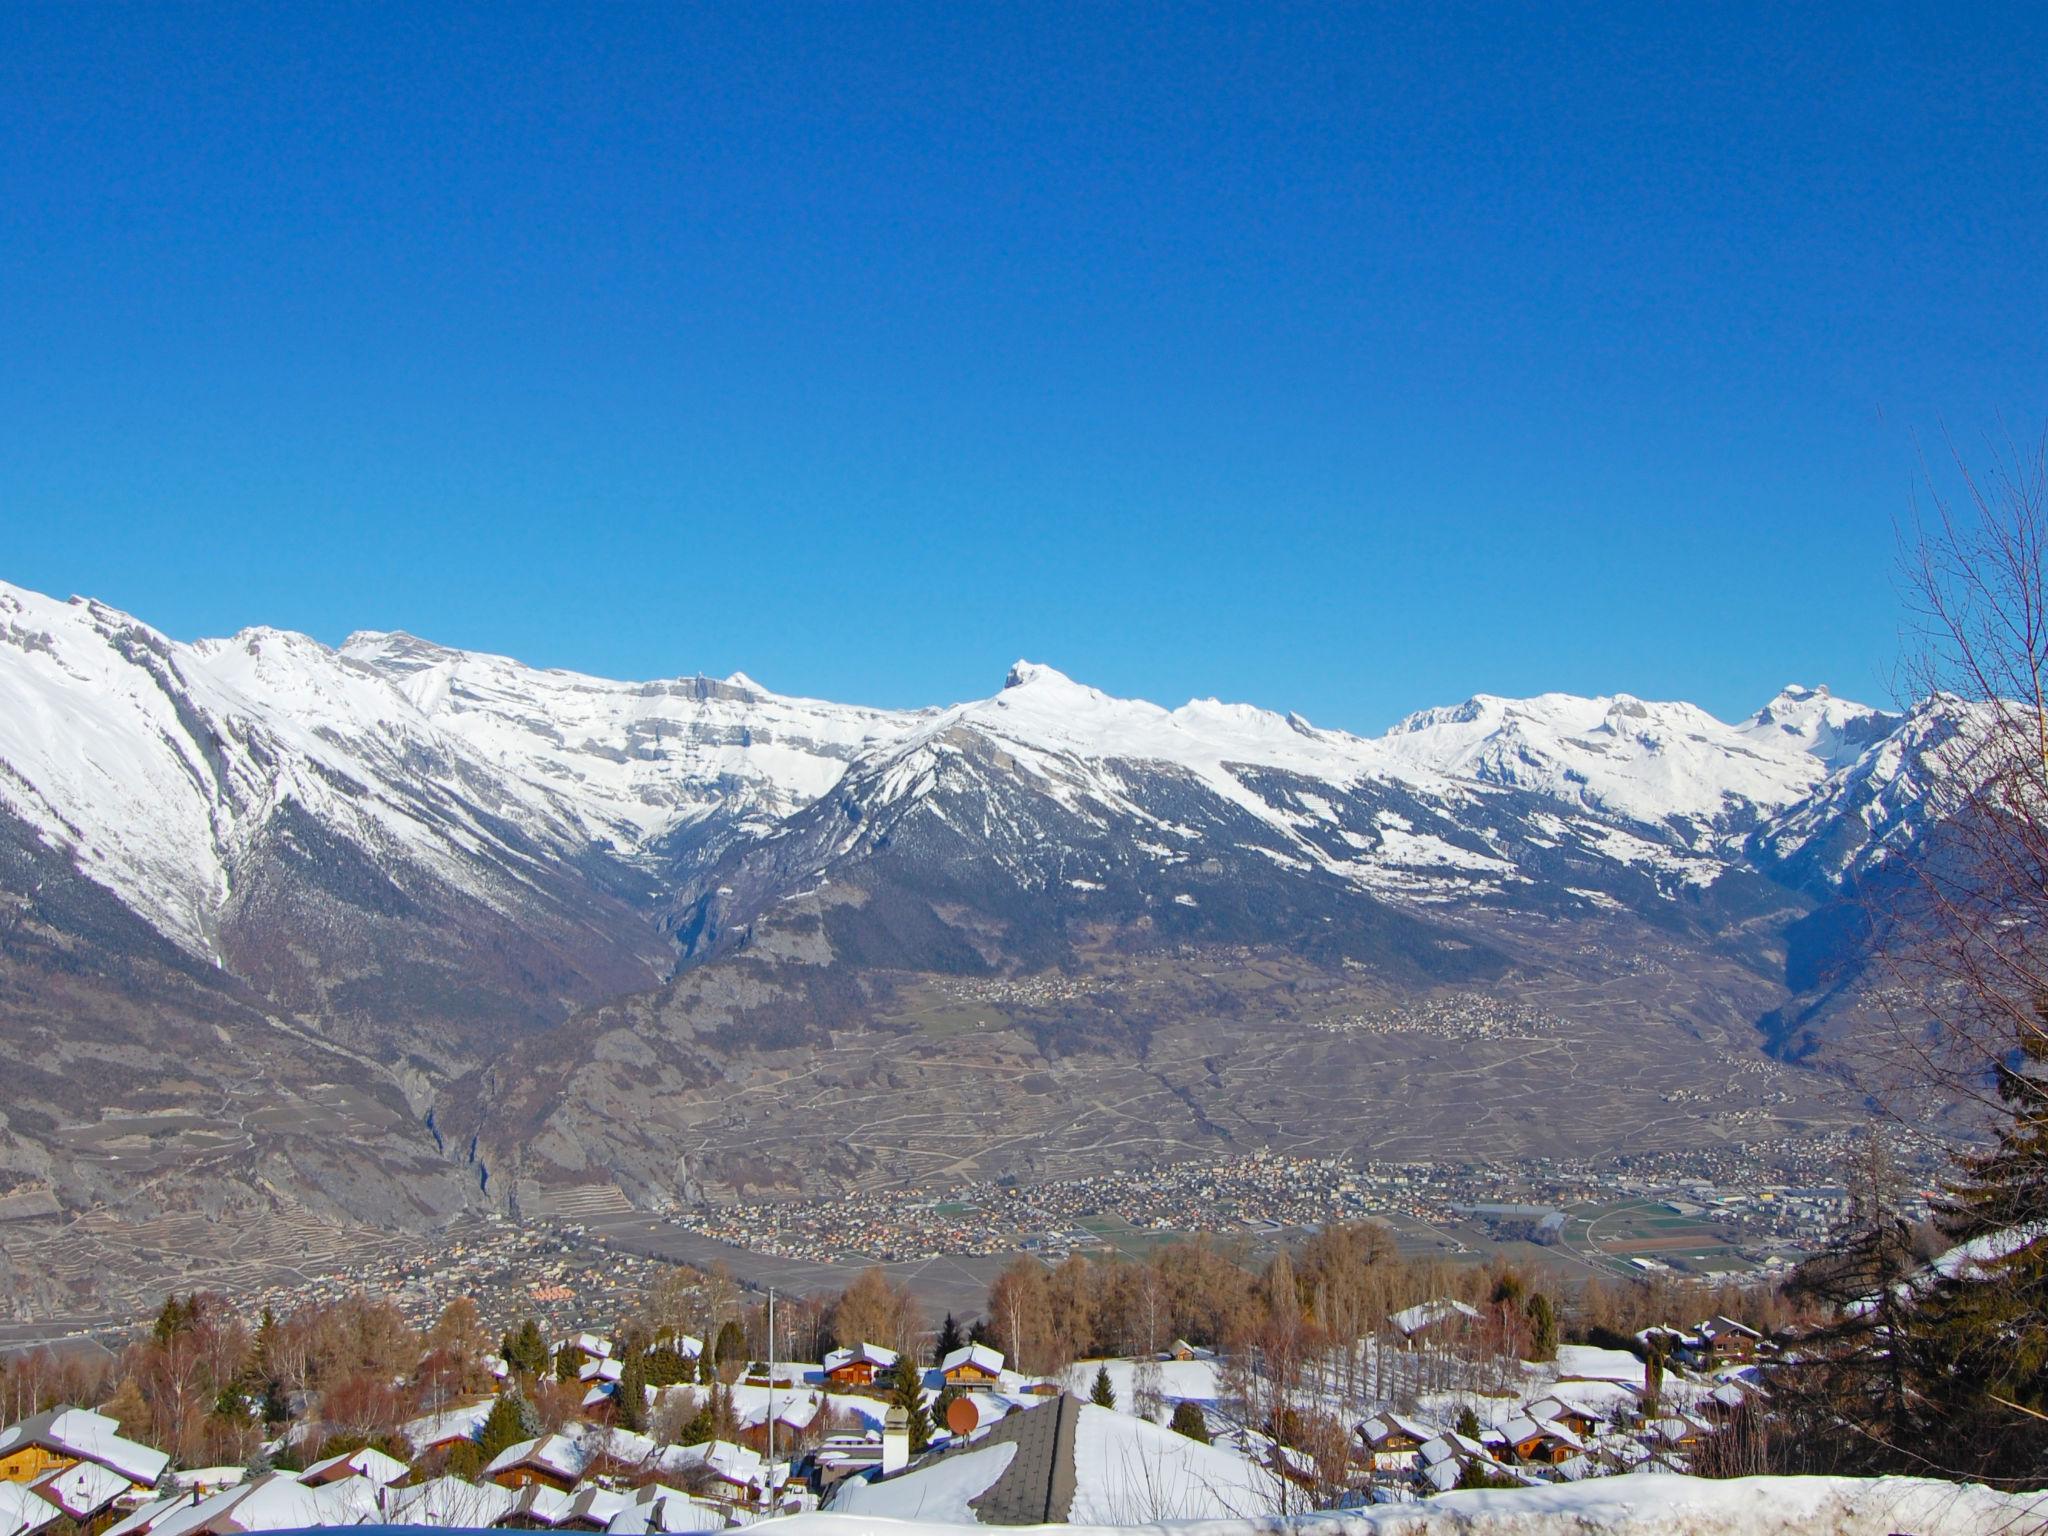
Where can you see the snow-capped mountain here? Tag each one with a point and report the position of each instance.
(401, 860)
(163, 770)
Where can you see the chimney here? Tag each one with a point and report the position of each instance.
(895, 1441)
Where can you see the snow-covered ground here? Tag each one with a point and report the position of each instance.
(1649, 1505)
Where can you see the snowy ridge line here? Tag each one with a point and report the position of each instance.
(1645, 1504)
(156, 767)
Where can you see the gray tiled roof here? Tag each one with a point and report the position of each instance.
(1037, 1488)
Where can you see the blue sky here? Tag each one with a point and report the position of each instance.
(1345, 360)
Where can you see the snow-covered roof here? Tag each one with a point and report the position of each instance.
(980, 1356)
(451, 1424)
(379, 1468)
(87, 1436)
(1109, 1468)
(872, 1354)
(655, 1510)
(23, 1511)
(564, 1456)
(1410, 1321)
(83, 1489)
(1382, 1426)
(448, 1501)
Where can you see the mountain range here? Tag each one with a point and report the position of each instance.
(390, 930)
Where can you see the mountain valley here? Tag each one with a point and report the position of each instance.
(378, 934)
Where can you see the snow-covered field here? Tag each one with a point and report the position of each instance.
(1667, 1505)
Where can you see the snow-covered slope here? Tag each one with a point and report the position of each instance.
(1636, 1505)
(177, 775)
(633, 760)
(1668, 765)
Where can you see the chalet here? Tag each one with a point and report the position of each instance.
(1728, 1341)
(1549, 1444)
(839, 1457)
(64, 1437)
(1392, 1441)
(1443, 1315)
(84, 1493)
(536, 1507)
(380, 1469)
(1181, 1349)
(732, 1474)
(276, 1501)
(655, 1510)
(552, 1461)
(794, 1413)
(1442, 1462)
(448, 1501)
(1582, 1421)
(1676, 1432)
(606, 1370)
(972, 1368)
(590, 1346)
(440, 1433)
(858, 1366)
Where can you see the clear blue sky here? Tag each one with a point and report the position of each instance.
(1341, 360)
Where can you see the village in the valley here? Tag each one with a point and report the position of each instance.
(1199, 1382)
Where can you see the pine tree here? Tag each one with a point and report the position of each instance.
(568, 1364)
(942, 1407)
(949, 1339)
(665, 1365)
(1188, 1420)
(1542, 1328)
(504, 1427)
(1983, 1327)
(631, 1394)
(525, 1349)
(1468, 1423)
(702, 1425)
(1104, 1395)
(732, 1343)
(908, 1395)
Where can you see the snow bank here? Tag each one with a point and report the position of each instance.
(1614, 1506)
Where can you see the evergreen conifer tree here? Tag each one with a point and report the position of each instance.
(504, 1427)
(1542, 1328)
(525, 1349)
(1188, 1420)
(631, 1394)
(949, 1339)
(1104, 1395)
(908, 1394)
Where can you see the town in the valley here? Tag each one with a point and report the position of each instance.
(1195, 1381)
(1237, 1336)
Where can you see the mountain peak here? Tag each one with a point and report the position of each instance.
(1026, 674)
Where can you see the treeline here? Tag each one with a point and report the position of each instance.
(207, 1388)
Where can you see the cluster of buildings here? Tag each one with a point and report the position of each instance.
(508, 1268)
(72, 1470)
(796, 1436)
(1600, 1413)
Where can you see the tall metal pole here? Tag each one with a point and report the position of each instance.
(771, 1391)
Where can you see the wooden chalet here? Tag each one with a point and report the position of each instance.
(859, 1366)
(65, 1437)
(973, 1368)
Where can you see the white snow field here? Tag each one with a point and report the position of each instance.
(1635, 1505)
